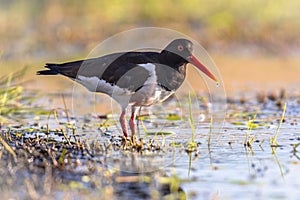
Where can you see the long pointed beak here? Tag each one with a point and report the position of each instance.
(193, 60)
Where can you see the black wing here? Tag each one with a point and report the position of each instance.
(89, 67)
(126, 72)
(120, 69)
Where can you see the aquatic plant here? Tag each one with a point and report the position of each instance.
(273, 140)
(13, 100)
(191, 146)
(249, 140)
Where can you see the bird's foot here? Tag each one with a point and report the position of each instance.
(132, 141)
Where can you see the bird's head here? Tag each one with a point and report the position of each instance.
(183, 49)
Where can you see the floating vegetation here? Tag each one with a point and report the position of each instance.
(245, 115)
(173, 117)
(161, 133)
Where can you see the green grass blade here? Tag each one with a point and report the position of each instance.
(274, 139)
(7, 147)
(192, 124)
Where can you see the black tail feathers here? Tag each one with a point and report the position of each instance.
(50, 71)
(47, 72)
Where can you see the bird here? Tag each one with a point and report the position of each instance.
(134, 78)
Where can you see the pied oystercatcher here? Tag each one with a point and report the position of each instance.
(133, 78)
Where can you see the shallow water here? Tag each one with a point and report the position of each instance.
(225, 169)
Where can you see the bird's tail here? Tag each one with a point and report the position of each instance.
(52, 70)
(69, 69)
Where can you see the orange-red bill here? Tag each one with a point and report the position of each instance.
(193, 60)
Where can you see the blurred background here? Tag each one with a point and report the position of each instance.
(254, 43)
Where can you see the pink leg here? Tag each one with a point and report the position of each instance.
(123, 123)
(132, 123)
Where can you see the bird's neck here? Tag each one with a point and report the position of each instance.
(173, 60)
(171, 72)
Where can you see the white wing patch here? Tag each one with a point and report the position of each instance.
(152, 74)
(94, 84)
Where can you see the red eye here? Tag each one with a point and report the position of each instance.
(180, 47)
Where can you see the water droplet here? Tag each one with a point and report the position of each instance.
(217, 84)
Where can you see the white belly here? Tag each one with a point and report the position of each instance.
(149, 95)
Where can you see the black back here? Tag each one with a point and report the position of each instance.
(123, 69)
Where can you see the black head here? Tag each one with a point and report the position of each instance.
(180, 47)
(180, 51)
